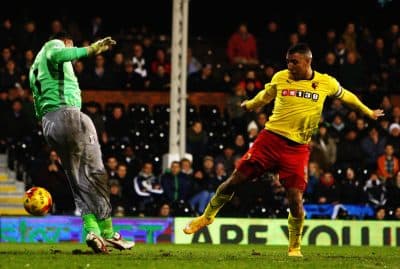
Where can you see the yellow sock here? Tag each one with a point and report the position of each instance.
(295, 231)
(216, 203)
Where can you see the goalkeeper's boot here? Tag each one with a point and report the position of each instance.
(197, 224)
(295, 252)
(117, 242)
(96, 243)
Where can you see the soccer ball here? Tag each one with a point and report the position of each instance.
(37, 201)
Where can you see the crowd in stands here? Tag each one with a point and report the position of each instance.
(353, 160)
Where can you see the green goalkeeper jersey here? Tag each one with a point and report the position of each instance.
(52, 78)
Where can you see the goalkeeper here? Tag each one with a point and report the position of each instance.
(299, 93)
(57, 101)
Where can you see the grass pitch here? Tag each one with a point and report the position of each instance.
(160, 256)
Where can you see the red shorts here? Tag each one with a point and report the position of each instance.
(274, 152)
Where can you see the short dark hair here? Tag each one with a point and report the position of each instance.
(60, 35)
(301, 48)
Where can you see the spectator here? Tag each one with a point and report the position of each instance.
(387, 164)
(194, 65)
(197, 143)
(372, 146)
(380, 213)
(314, 173)
(349, 36)
(252, 132)
(147, 188)
(375, 191)
(140, 63)
(186, 167)
(351, 191)
(82, 74)
(100, 76)
(10, 75)
(160, 59)
(131, 80)
(396, 214)
(8, 34)
(207, 183)
(175, 184)
(329, 64)
(242, 47)
(240, 144)
(352, 72)
(235, 112)
(271, 43)
(116, 200)
(160, 80)
(116, 125)
(323, 149)
(164, 210)
(17, 122)
(111, 166)
(51, 176)
(227, 158)
(326, 191)
(202, 80)
(394, 138)
(92, 109)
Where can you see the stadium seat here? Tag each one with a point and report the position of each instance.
(326, 211)
(191, 114)
(161, 113)
(138, 111)
(209, 112)
(182, 208)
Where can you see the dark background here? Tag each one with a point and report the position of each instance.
(212, 18)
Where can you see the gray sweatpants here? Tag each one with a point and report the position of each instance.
(72, 134)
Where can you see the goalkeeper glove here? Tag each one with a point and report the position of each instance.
(101, 45)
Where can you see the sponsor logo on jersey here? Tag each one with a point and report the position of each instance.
(301, 94)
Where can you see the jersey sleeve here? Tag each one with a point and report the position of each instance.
(334, 87)
(337, 91)
(263, 97)
(354, 102)
(58, 53)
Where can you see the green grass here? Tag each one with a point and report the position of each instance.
(73, 255)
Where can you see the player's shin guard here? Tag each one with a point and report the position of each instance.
(295, 232)
(106, 227)
(216, 203)
(90, 224)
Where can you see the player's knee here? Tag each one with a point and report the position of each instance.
(295, 199)
(236, 178)
(230, 185)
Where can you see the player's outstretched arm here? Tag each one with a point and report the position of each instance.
(101, 45)
(377, 113)
(352, 100)
(59, 53)
(262, 98)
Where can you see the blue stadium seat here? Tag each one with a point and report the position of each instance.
(314, 211)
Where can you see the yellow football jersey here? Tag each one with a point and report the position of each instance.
(298, 104)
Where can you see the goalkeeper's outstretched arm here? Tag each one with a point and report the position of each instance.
(59, 53)
(101, 46)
